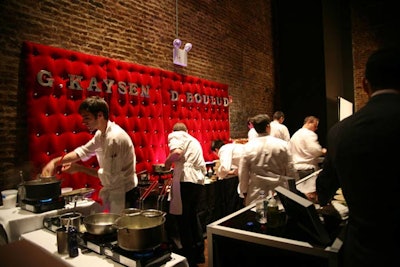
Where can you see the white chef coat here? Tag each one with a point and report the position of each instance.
(115, 154)
(305, 149)
(251, 134)
(191, 167)
(229, 157)
(279, 130)
(264, 160)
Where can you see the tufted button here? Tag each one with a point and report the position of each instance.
(47, 114)
(57, 134)
(47, 153)
(38, 134)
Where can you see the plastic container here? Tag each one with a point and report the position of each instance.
(9, 198)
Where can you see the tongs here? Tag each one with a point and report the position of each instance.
(146, 193)
(163, 193)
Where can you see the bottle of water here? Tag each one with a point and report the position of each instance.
(261, 207)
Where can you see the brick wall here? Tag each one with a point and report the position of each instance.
(232, 44)
(375, 23)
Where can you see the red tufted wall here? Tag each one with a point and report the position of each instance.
(145, 101)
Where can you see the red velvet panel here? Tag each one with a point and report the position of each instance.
(144, 101)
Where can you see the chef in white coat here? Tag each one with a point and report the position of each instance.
(264, 160)
(187, 183)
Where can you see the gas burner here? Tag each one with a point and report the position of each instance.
(145, 258)
(42, 205)
(99, 239)
(97, 243)
(108, 245)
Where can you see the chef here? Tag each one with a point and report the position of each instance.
(115, 154)
(264, 160)
(227, 170)
(187, 183)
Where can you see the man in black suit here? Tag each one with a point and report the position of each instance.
(363, 160)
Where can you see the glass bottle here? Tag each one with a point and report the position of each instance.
(72, 242)
(272, 211)
(261, 207)
(21, 189)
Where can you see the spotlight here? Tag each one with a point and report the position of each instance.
(177, 43)
(188, 47)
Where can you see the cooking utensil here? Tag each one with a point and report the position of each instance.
(82, 191)
(101, 223)
(131, 211)
(71, 218)
(163, 193)
(138, 232)
(146, 193)
(152, 215)
(41, 188)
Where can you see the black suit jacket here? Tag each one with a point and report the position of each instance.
(363, 159)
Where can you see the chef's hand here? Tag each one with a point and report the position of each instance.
(70, 168)
(48, 170)
(312, 196)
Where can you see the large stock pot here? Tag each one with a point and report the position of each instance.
(140, 231)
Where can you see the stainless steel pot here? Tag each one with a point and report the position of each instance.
(153, 215)
(40, 188)
(101, 223)
(131, 211)
(138, 232)
(71, 219)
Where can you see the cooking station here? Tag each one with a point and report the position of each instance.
(47, 240)
(108, 246)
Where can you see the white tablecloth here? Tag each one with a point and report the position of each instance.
(16, 221)
(48, 240)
